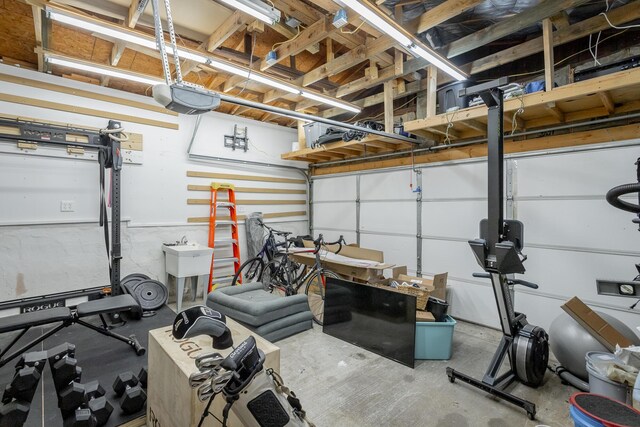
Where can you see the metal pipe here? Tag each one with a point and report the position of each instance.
(479, 140)
(308, 117)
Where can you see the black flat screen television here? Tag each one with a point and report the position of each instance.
(376, 319)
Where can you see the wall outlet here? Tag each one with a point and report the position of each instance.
(67, 206)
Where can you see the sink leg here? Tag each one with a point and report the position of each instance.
(179, 292)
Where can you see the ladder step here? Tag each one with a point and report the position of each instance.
(226, 279)
(225, 241)
(225, 222)
(225, 205)
(224, 260)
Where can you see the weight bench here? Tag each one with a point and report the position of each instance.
(68, 317)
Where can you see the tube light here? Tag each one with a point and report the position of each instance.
(190, 55)
(100, 70)
(330, 101)
(438, 62)
(260, 10)
(374, 19)
(411, 43)
(111, 32)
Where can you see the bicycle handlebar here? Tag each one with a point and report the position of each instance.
(319, 242)
(509, 281)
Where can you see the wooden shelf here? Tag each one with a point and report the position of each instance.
(612, 94)
(372, 144)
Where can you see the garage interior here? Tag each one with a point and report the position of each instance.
(296, 213)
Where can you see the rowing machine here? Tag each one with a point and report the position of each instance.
(499, 253)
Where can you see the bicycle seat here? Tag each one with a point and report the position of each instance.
(283, 233)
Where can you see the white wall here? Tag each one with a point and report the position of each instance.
(43, 250)
(572, 236)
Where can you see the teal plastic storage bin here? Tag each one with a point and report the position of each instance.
(434, 339)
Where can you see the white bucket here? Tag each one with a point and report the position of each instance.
(600, 384)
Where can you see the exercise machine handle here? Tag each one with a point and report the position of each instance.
(509, 281)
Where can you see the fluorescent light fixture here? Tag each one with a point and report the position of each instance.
(101, 70)
(191, 55)
(111, 32)
(434, 59)
(256, 8)
(377, 21)
(330, 101)
(389, 27)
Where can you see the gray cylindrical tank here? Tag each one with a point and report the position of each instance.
(570, 342)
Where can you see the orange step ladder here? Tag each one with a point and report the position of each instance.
(214, 222)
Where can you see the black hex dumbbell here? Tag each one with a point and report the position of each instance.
(142, 377)
(95, 399)
(81, 417)
(64, 367)
(14, 414)
(128, 386)
(71, 398)
(23, 386)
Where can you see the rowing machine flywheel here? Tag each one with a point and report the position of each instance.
(531, 354)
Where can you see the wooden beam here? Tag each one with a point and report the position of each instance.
(329, 50)
(388, 106)
(560, 20)
(555, 111)
(607, 101)
(547, 40)
(37, 25)
(439, 14)
(136, 9)
(230, 25)
(620, 133)
(617, 16)
(314, 33)
(205, 219)
(202, 174)
(348, 60)
(207, 188)
(508, 26)
(475, 125)
(432, 89)
(116, 52)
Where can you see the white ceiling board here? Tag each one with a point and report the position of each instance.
(192, 18)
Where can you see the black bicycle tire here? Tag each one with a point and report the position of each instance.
(313, 302)
(260, 261)
(273, 276)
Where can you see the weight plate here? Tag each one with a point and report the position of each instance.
(128, 282)
(150, 294)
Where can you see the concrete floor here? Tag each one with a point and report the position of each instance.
(340, 384)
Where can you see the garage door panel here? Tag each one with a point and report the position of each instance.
(334, 215)
(453, 257)
(586, 173)
(386, 217)
(459, 219)
(391, 185)
(330, 189)
(397, 250)
(462, 180)
(472, 302)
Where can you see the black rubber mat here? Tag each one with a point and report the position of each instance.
(606, 409)
(101, 358)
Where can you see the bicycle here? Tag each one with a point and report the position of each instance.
(251, 270)
(277, 276)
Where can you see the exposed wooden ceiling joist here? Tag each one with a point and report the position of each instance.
(439, 14)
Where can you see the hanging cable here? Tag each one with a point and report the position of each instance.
(518, 112)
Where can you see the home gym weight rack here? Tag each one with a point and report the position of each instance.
(107, 143)
(499, 252)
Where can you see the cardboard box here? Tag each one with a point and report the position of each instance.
(436, 284)
(424, 316)
(170, 399)
(344, 268)
(601, 330)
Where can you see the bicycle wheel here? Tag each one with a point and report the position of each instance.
(276, 278)
(315, 291)
(249, 272)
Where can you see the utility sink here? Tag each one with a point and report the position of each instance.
(187, 250)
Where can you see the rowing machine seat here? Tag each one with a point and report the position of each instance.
(112, 304)
(35, 318)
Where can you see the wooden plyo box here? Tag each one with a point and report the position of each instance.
(171, 402)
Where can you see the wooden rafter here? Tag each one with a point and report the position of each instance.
(440, 14)
(508, 26)
(230, 25)
(136, 9)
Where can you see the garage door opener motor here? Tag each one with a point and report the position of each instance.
(499, 253)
